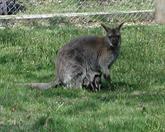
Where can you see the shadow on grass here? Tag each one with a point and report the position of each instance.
(75, 93)
(119, 86)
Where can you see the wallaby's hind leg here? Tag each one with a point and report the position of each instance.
(75, 83)
(73, 78)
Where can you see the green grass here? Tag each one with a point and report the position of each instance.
(136, 103)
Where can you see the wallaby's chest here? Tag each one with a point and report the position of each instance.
(108, 56)
(113, 58)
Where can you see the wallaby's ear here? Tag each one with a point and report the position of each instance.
(105, 27)
(119, 27)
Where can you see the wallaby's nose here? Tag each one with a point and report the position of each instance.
(115, 41)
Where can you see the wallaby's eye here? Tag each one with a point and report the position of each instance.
(113, 36)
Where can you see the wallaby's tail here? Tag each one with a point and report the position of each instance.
(41, 86)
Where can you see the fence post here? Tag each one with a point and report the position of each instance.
(160, 11)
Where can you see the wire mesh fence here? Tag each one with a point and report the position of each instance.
(78, 11)
(10, 7)
(54, 6)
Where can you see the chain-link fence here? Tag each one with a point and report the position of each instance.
(79, 11)
(11, 7)
(61, 6)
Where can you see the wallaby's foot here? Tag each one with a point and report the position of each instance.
(93, 85)
(96, 84)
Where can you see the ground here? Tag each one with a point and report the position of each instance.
(135, 101)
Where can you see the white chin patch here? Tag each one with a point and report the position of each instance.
(110, 43)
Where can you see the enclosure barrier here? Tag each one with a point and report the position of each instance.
(82, 11)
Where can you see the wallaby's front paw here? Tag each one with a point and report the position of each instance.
(97, 83)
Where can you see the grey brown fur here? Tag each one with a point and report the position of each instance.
(82, 61)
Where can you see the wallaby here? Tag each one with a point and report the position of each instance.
(82, 61)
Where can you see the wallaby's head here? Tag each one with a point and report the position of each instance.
(113, 35)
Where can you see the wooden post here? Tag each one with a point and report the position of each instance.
(160, 11)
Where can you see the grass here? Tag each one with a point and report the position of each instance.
(136, 103)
